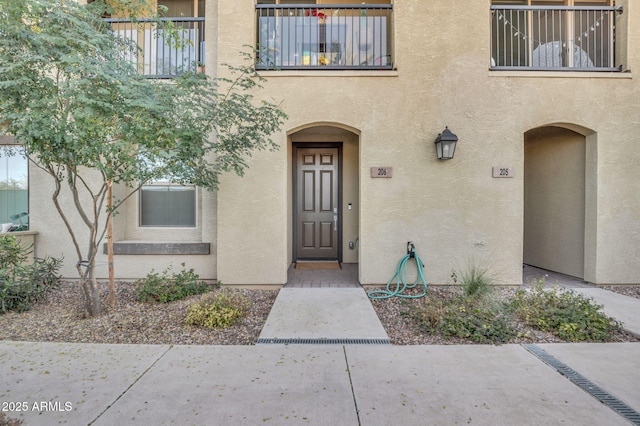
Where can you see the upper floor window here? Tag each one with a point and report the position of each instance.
(14, 192)
(553, 35)
(300, 34)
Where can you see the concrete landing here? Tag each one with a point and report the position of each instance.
(322, 313)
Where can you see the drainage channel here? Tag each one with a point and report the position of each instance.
(321, 341)
(585, 384)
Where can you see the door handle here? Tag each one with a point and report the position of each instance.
(335, 218)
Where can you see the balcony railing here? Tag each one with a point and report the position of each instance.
(163, 52)
(324, 36)
(554, 38)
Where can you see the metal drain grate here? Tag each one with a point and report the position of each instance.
(313, 341)
(585, 384)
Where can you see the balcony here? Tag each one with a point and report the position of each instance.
(554, 38)
(329, 37)
(163, 51)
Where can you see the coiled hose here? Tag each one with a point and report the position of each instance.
(400, 277)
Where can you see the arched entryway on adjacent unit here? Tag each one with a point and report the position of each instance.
(324, 192)
(560, 199)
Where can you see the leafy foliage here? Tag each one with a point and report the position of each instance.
(487, 318)
(567, 314)
(169, 286)
(23, 283)
(222, 310)
(480, 320)
(83, 115)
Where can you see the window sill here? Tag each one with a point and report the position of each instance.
(562, 74)
(327, 73)
(148, 248)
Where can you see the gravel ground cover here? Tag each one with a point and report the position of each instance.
(627, 290)
(60, 319)
(402, 330)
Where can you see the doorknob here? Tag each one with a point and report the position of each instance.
(335, 218)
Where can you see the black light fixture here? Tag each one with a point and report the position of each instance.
(446, 144)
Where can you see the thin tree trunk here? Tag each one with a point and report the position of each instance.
(112, 285)
(95, 294)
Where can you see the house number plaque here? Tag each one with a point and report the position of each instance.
(381, 172)
(503, 172)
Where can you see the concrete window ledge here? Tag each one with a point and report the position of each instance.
(145, 248)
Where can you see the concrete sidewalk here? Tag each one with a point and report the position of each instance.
(312, 384)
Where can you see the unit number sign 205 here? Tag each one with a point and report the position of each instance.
(503, 172)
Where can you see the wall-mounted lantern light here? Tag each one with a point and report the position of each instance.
(446, 144)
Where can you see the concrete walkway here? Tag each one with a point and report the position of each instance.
(339, 314)
(54, 383)
(337, 384)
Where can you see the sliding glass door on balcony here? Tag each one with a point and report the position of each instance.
(340, 37)
(576, 38)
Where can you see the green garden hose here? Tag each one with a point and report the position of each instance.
(400, 277)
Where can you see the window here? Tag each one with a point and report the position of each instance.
(553, 34)
(167, 205)
(14, 192)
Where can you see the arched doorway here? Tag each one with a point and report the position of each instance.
(557, 170)
(324, 193)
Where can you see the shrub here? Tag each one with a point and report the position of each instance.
(482, 320)
(223, 309)
(169, 286)
(565, 313)
(21, 283)
(478, 322)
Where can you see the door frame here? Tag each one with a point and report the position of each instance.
(294, 168)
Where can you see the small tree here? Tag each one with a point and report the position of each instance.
(84, 116)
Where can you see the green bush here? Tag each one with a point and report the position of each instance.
(459, 317)
(23, 283)
(222, 310)
(565, 313)
(169, 286)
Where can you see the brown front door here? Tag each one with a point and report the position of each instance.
(317, 218)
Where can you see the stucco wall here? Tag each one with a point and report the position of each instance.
(453, 211)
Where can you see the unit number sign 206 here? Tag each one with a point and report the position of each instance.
(381, 172)
(503, 172)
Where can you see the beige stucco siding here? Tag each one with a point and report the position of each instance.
(455, 210)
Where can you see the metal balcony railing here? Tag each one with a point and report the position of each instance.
(554, 38)
(324, 37)
(159, 52)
